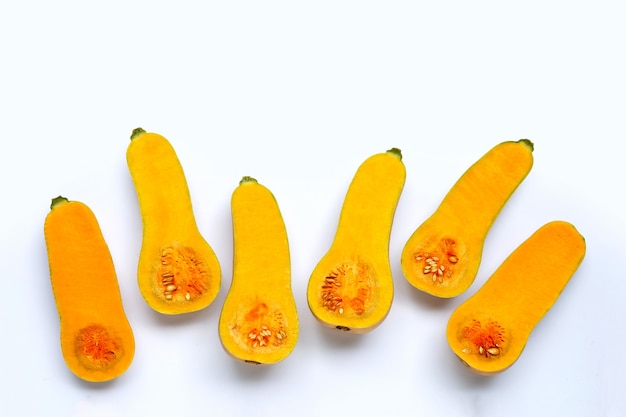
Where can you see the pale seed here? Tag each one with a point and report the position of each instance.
(493, 351)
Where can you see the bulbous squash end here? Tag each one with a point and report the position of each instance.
(443, 265)
(349, 295)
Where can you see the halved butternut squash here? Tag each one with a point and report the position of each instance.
(351, 287)
(489, 331)
(178, 272)
(259, 319)
(97, 341)
(443, 254)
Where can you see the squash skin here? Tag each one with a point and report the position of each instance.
(87, 294)
(515, 299)
(443, 254)
(351, 287)
(172, 245)
(259, 319)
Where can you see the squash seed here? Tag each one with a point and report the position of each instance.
(488, 338)
(439, 264)
(348, 289)
(180, 271)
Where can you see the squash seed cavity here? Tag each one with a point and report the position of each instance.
(438, 264)
(349, 289)
(485, 339)
(96, 348)
(181, 274)
(262, 328)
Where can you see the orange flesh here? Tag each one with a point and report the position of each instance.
(490, 329)
(96, 338)
(259, 321)
(456, 231)
(351, 287)
(178, 271)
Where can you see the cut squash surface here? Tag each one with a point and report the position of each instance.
(443, 254)
(259, 319)
(178, 271)
(97, 341)
(351, 288)
(489, 331)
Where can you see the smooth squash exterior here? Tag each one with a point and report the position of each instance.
(489, 331)
(259, 320)
(443, 254)
(351, 288)
(97, 341)
(178, 271)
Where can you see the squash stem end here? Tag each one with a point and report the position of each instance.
(396, 152)
(136, 133)
(58, 201)
(246, 179)
(528, 143)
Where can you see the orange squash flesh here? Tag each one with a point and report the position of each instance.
(97, 341)
(443, 254)
(259, 319)
(178, 271)
(489, 331)
(351, 287)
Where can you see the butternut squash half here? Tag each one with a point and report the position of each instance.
(178, 271)
(97, 342)
(259, 319)
(351, 287)
(489, 331)
(443, 254)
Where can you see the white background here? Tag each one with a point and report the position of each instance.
(298, 94)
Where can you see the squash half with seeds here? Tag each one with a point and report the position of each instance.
(178, 272)
(259, 320)
(443, 254)
(97, 341)
(489, 331)
(351, 287)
